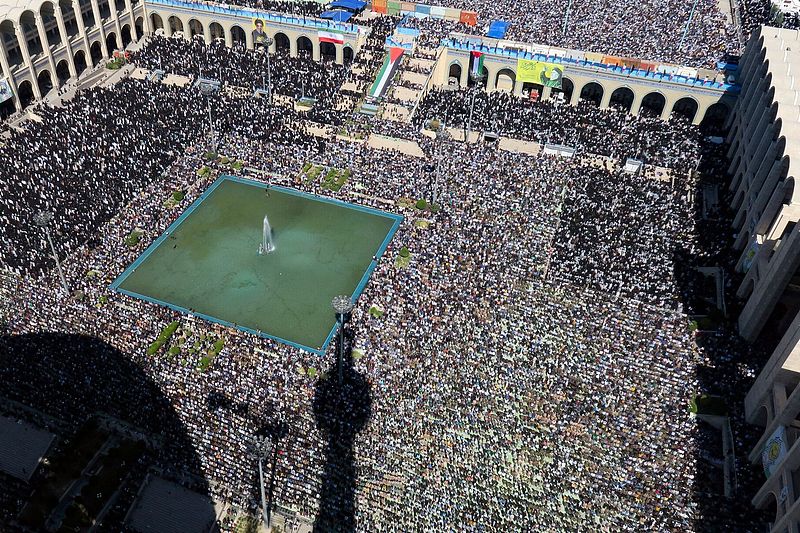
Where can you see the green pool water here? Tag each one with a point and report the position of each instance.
(208, 261)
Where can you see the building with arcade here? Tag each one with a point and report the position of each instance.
(764, 150)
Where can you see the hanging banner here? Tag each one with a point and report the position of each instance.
(775, 451)
(259, 35)
(330, 37)
(547, 74)
(5, 91)
(477, 63)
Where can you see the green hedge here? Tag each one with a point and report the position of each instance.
(132, 239)
(163, 337)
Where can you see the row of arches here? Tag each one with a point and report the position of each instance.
(282, 43)
(45, 81)
(622, 98)
(26, 27)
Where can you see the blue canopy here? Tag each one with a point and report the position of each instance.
(352, 5)
(337, 15)
(497, 29)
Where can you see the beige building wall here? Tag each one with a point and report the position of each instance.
(763, 148)
(454, 64)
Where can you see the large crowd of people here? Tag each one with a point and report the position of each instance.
(532, 365)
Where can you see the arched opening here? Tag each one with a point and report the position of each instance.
(282, 42)
(96, 52)
(105, 11)
(7, 108)
(25, 93)
(175, 24)
(13, 51)
(237, 35)
(347, 55)
(621, 98)
(45, 82)
(87, 13)
(454, 75)
(80, 61)
(68, 14)
(505, 79)
(482, 80)
(28, 23)
(139, 26)
(156, 22)
(327, 51)
(126, 35)
(195, 28)
(686, 107)
(565, 92)
(305, 48)
(111, 42)
(653, 104)
(62, 72)
(715, 117)
(47, 12)
(217, 31)
(531, 90)
(592, 92)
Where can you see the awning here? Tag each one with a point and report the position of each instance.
(351, 5)
(497, 29)
(337, 15)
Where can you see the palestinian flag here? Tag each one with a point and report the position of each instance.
(477, 63)
(330, 37)
(385, 75)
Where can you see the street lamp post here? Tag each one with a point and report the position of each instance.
(268, 43)
(42, 219)
(478, 81)
(343, 305)
(261, 449)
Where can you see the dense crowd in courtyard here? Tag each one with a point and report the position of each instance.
(533, 363)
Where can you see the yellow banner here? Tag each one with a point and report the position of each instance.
(547, 74)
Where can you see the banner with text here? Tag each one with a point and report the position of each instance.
(5, 91)
(547, 74)
(774, 451)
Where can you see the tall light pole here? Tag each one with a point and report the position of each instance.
(343, 305)
(478, 80)
(261, 447)
(42, 219)
(268, 43)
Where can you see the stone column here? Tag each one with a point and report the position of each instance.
(340, 54)
(667, 111)
(547, 91)
(99, 22)
(46, 48)
(62, 28)
(576, 95)
(134, 35)
(23, 46)
(7, 74)
(606, 99)
(207, 32)
(637, 103)
(315, 50)
(228, 37)
(292, 47)
(117, 24)
(76, 7)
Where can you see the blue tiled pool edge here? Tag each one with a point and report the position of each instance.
(115, 285)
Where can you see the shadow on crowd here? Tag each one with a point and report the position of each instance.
(724, 355)
(108, 415)
(341, 412)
